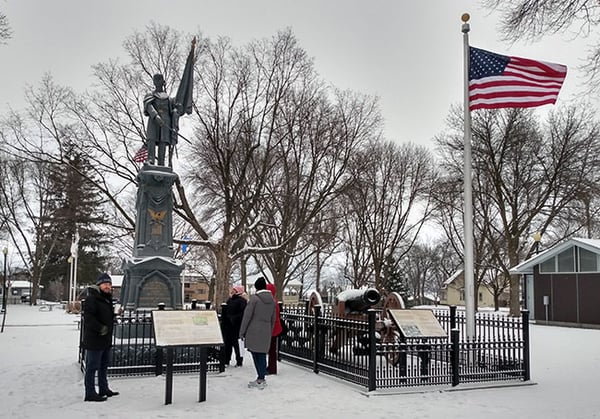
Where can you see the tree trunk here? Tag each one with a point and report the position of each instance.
(222, 274)
(515, 283)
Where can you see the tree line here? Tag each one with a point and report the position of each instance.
(284, 174)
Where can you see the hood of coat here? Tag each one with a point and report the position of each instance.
(264, 295)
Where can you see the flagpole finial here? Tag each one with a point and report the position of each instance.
(465, 26)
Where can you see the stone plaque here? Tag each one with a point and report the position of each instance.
(418, 324)
(186, 328)
(154, 291)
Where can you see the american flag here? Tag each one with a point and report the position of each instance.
(500, 81)
(141, 155)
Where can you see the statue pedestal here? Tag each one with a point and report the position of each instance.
(151, 275)
(151, 280)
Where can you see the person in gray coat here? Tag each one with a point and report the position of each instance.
(256, 329)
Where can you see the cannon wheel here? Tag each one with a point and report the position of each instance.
(392, 302)
(390, 334)
(314, 300)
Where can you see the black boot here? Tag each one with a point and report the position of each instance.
(239, 362)
(94, 398)
(109, 393)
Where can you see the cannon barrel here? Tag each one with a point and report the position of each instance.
(358, 301)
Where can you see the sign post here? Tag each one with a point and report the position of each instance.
(184, 328)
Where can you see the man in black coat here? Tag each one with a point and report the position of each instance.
(98, 316)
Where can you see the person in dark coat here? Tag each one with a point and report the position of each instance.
(256, 329)
(98, 316)
(236, 304)
(277, 329)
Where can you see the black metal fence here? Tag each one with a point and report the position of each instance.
(363, 350)
(134, 351)
(370, 353)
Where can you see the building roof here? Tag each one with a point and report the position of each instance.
(19, 284)
(452, 278)
(526, 267)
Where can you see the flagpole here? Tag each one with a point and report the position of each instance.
(74, 257)
(70, 260)
(468, 193)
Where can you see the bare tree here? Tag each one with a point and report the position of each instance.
(5, 30)
(426, 267)
(244, 93)
(533, 19)
(319, 138)
(25, 207)
(390, 199)
(527, 178)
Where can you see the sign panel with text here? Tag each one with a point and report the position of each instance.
(417, 324)
(186, 328)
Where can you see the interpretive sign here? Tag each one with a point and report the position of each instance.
(417, 324)
(186, 328)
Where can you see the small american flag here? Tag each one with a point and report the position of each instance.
(141, 155)
(500, 81)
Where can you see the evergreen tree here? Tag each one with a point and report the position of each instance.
(77, 207)
(394, 280)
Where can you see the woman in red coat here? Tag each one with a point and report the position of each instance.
(272, 364)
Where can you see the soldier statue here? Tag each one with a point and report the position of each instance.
(163, 113)
(163, 122)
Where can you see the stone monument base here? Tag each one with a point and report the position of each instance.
(151, 280)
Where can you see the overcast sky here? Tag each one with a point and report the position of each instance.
(410, 54)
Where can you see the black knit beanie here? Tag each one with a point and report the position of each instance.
(260, 284)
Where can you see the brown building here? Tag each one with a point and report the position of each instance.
(562, 284)
(195, 287)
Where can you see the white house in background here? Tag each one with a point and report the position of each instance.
(452, 292)
(291, 293)
(19, 291)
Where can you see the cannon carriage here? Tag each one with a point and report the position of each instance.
(354, 305)
(343, 332)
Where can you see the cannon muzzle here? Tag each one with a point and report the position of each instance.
(357, 301)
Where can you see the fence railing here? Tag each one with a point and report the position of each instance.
(134, 351)
(371, 354)
(364, 351)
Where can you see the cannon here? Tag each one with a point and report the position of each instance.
(352, 304)
(355, 301)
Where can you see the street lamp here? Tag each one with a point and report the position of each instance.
(537, 236)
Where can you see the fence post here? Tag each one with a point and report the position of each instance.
(454, 356)
(280, 303)
(452, 317)
(372, 351)
(316, 339)
(526, 359)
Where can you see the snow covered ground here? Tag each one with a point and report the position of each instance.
(40, 378)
